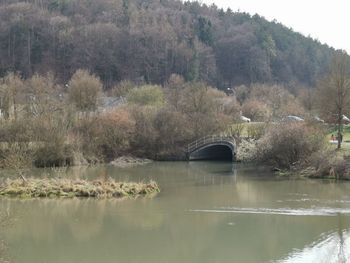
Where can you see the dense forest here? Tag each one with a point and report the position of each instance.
(145, 41)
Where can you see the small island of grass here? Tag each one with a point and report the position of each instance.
(37, 188)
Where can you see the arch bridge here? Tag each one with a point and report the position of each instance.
(214, 147)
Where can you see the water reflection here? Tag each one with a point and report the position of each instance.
(214, 168)
(5, 222)
(333, 247)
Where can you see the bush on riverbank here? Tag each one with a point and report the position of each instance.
(329, 164)
(105, 136)
(32, 188)
(288, 144)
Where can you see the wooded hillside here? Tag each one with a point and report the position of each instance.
(148, 40)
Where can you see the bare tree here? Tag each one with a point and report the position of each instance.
(333, 93)
(11, 89)
(84, 89)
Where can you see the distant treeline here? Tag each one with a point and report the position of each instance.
(148, 40)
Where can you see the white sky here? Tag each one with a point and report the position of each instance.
(328, 21)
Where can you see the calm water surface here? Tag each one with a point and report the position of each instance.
(206, 212)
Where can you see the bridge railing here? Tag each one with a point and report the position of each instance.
(209, 139)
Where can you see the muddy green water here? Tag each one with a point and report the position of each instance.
(206, 212)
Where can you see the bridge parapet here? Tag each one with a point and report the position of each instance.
(209, 139)
(197, 148)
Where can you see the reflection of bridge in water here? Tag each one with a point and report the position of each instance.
(215, 147)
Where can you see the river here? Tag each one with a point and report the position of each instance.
(206, 212)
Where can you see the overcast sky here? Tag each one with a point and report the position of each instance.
(328, 21)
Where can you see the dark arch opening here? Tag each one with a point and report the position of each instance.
(213, 152)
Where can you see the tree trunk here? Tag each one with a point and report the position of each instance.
(340, 118)
(29, 51)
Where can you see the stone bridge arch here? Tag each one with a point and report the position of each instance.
(212, 148)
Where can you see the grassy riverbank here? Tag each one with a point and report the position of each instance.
(346, 133)
(33, 188)
(329, 163)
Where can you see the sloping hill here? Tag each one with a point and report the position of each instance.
(148, 40)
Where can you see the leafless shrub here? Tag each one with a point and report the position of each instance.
(236, 130)
(105, 136)
(84, 90)
(256, 130)
(328, 164)
(256, 110)
(288, 144)
(122, 88)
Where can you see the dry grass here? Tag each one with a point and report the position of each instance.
(34, 188)
(330, 164)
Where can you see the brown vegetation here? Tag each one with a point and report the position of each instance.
(83, 90)
(256, 110)
(45, 124)
(329, 164)
(33, 188)
(54, 125)
(256, 130)
(105, 136)
(288, 144)
(163, 65)
(150, 40)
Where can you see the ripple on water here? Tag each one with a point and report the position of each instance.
(314, 200)
(318, 211)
